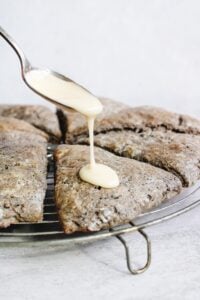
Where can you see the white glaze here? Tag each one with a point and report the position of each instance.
(72, 95)
(100, 175)
(65, 92)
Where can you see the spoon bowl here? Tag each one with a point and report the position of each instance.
(54, 87)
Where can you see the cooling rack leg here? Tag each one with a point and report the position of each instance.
(127, 252)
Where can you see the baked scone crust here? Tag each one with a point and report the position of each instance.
(39, 116)
(175, 152)
(153, 135)
(12, 124)
(118, 116)
(85, 207)
(23, 165)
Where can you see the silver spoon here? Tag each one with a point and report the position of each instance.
(26, 68)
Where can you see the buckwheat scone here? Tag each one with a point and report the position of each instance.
(23, 166)
(84, 207)
(175, 152)
(10, 124)
(39, 116)
(117, 116)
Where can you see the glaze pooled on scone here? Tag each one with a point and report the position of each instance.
(85, 207)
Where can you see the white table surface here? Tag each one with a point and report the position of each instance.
(140, 52)
(98, 270)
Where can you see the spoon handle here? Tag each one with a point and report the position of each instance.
(25, 65)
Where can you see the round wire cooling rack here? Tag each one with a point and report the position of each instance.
(49, 230)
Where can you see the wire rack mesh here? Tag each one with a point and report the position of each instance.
(49, 230)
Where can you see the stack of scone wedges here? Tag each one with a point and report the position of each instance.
(23, 162)
(154, 152)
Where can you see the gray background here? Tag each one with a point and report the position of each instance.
(140, 52)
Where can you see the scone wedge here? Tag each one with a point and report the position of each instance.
(118, 116)
(23, 165)
(39, 116)
(177, 153)
(84, 207)
(164, 139)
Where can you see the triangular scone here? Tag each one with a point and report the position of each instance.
(23, 166)
(85, 207)
(118, 116)
(39, 116)
(175, 152)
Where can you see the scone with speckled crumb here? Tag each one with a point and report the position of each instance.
(175, 152)
(8, 124)
(85, 207)
(23, 166)
(39, 116)
(117, 116)
(164, 139)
